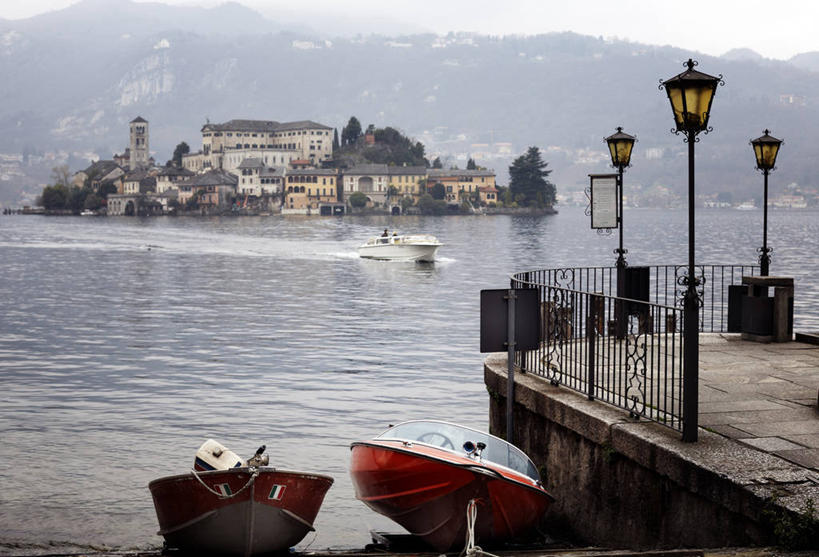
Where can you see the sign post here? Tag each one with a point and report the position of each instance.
(604, 208)
(510, 321)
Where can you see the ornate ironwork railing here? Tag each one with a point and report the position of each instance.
(628, 350)
(663, 285)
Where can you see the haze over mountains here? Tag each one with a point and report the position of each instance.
(75, 77)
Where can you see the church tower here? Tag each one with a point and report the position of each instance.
(139, 143)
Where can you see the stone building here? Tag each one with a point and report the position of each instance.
(456, 181)
(215, 188)
(138, 182)
(225, 146)
(168, 177)
(370, 179)
(306, 190)
(138, 147)
(97, 173)
(408, 181)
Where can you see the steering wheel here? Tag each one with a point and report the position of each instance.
(438, 439)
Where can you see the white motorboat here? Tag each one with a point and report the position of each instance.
(410, 247)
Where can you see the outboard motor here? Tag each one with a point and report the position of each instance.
(258, 459)
(212, 455)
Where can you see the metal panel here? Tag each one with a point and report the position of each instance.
(757, 315)
(735, 294)
(494, 319)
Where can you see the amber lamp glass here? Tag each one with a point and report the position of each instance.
(620, 145)
(691, 94)
(766, 148)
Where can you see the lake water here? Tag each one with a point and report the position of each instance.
(125, 343)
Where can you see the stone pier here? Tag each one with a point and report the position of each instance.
(751, 479)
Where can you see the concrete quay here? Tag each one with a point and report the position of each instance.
(752, 479)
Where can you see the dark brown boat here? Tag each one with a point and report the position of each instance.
(243, 511)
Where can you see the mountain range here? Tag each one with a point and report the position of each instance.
(74, 78)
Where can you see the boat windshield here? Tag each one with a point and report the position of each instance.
(453, 436)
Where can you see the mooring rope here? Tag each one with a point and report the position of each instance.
(472, 550)
(250, 481)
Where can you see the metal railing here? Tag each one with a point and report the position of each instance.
(627, 352)
(664, 285)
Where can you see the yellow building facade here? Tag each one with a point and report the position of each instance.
(309, 187)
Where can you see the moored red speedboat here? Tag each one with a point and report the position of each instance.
(423, 474)
(227, 506)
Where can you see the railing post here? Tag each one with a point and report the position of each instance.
(592, 316)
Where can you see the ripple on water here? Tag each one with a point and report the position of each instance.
(125, 343)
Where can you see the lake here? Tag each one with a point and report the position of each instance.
(125, 343)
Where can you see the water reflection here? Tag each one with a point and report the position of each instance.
(124, 343)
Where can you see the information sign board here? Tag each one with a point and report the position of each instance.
(603, 200)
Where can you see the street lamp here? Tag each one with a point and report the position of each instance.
(691, 94)
(766, 148)
(620, 145)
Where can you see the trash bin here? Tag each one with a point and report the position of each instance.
(767, 318)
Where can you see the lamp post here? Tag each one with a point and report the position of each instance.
(691, 94)
(766, 148)
(620, 145)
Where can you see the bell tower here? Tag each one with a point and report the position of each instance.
(139, 143)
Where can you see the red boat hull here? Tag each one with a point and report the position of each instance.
(272, 513)
(426, 490)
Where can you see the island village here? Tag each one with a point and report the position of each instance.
(266, 167)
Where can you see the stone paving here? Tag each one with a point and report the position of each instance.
(762, 395)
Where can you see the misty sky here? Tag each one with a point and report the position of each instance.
(773, 29)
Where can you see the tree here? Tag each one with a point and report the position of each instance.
(351, 132)
(181, 149)
(418, 151)
(76, 199)
(725, 197)
(54, 197)
(470, 164)
(336, 144)
(93, 202)
(429, 206)
(107, 188)
(527, 180)
(437, 163)
(438, 191)
(358, 199)
(93, 174)
(193, 201)
(61, 175)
